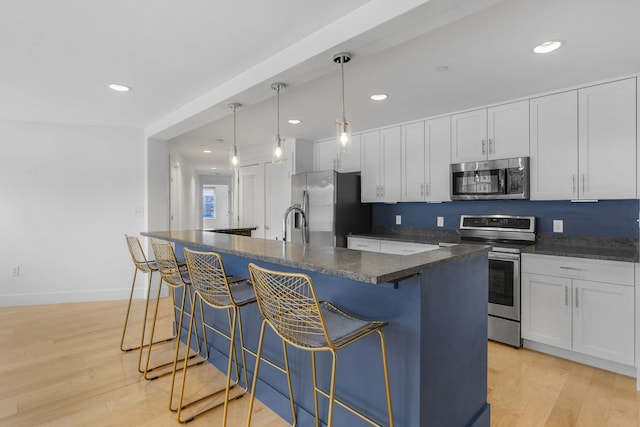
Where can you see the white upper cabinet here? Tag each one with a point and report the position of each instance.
(350, 162)
(583, 143)
(425, 160)
(554, 146)
(607, 140)
(491, 133)
(469, 136)
(381, 165)
(326, 157)
(508, 130)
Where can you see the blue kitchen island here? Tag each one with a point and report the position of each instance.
(436, 306)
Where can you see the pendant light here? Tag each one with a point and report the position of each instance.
(278, 147)
(343, 127)
(234, 151)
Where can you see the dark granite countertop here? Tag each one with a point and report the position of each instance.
(367, 267)
(594, 247)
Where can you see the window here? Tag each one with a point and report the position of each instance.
(208, 202)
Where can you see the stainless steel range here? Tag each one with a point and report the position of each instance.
(507, 235)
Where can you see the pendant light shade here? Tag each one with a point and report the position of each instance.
(343, 127)
(234, 151)
(278, 142)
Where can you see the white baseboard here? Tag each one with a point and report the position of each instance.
(581, 358)
(68, 296)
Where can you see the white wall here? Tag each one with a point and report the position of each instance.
(68, 195)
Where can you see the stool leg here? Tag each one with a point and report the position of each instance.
(126, 318)
(315, 385)
(229, 363)
(255, 373)
(386, 376)
(286, 367)
(186, 362)
(332, 387)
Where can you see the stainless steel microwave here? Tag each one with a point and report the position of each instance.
(490, 179)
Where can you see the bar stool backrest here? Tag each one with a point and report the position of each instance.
(168, 264)
(209, 278)
(288, 302)
(137, 254)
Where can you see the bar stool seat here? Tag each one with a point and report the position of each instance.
(289, 305)
(212, 287)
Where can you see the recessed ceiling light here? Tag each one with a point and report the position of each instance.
(294, 121)
(547, 47)
(206, 151)
(119, 88)
(379, 96)
(214, 168)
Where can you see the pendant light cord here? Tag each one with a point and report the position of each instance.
(278, 116)
(342, 69)
(235, 148)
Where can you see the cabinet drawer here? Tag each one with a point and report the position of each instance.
(595, 270)
(360, 244)
(404, 248)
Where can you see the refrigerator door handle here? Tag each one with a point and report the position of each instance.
(305, 201)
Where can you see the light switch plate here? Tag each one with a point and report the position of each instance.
(398, 219)
(558, 226)
(440, 221)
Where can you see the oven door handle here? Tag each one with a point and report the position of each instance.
(504, 256)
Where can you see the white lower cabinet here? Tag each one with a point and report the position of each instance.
(583, 305)
(388, 246)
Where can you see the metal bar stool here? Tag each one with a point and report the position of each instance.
(214, 288)
(176, 276)
(140, 263)
(289, 305)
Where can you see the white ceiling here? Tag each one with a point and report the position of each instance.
(187, 60)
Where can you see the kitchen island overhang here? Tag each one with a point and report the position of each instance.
(435, 303)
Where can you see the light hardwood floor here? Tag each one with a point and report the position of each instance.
(60, 365)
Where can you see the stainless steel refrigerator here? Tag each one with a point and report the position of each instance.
(332, 207)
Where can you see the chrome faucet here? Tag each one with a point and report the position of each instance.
(294, 208)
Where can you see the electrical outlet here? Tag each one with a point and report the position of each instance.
(15, 271)
(440, 221)
(398, 219)
(558, 226)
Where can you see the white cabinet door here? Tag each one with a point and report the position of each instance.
(546, 309)
(554, 146)
(277, 197)
(324, 155)
(607, 140)
(371, 166)
(404, 248)
(508, 130)
(391, 139)
(437, 133)
(361, 244)
(603, 320)
(350, 162)
(415, 162)
(469, 136)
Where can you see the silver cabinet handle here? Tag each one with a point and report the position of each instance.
(583, 186)
(426, 189)
(421, 190)
(566, 295)
(576, 297)
(484, 143)
(492, 149)
(573, 181)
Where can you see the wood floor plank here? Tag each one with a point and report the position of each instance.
(61, 366)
